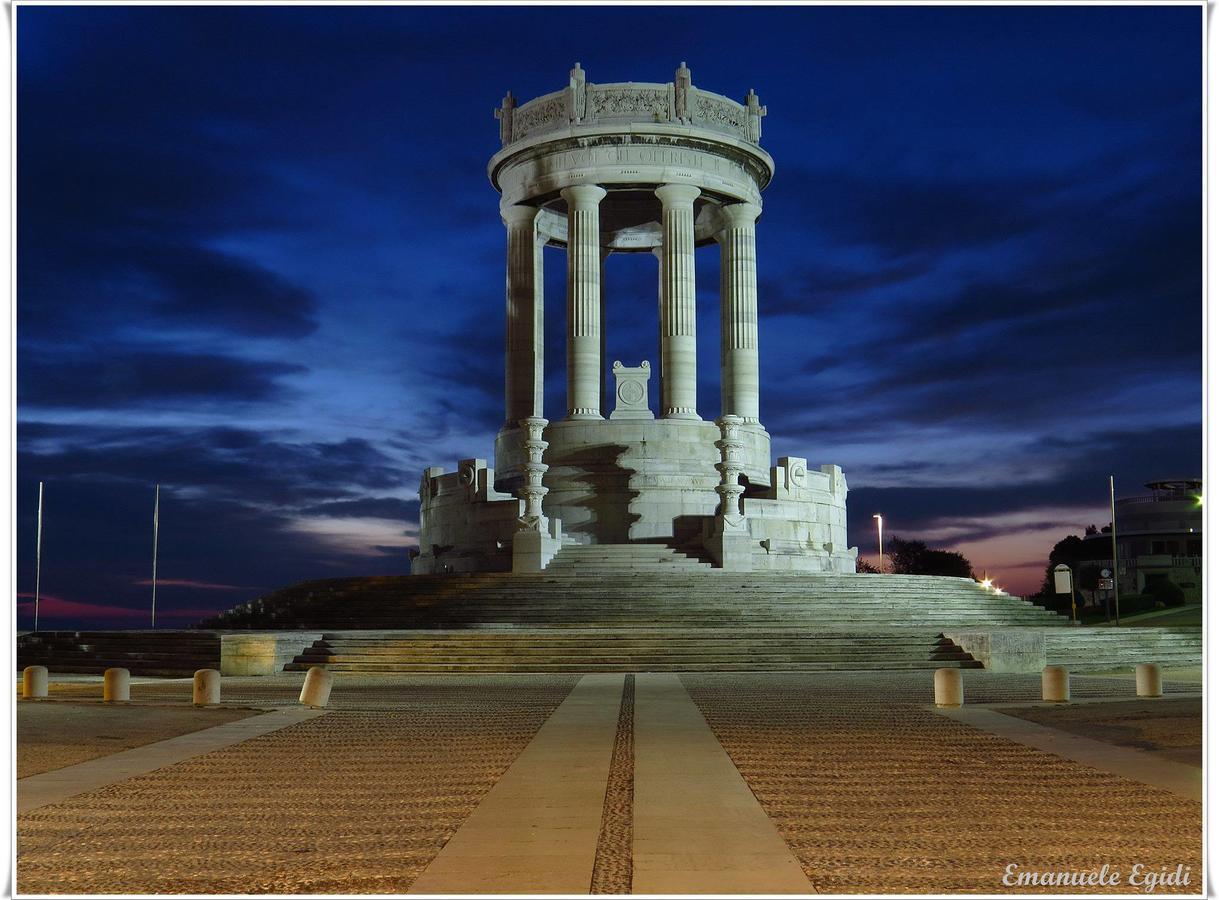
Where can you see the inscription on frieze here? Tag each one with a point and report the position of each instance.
(628, 156)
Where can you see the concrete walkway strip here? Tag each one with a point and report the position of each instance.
(536, 830)
(60, 784)
(1137, 765)
(698, 827)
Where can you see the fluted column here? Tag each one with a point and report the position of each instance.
(602, 380)
(739, 312)
(523, 358)
(678, 354)
(583, 301)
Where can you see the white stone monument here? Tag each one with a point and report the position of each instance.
(633, 167)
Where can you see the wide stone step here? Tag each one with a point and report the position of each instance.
(583, 666)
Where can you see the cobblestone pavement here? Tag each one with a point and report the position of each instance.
(356, 801)
(1171, 728)
(877, 794)
(53, 735)
(612, 865)
(872, 791)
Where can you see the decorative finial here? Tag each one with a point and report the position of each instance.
(504, 114)
(681, 87)
(754, 111)
(575, 94)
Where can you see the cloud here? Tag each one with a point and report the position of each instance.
(188, 583)
(55, 612)
(366, 508)
(98, 376)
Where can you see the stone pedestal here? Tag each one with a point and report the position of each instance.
(631, 391)
(532, 551)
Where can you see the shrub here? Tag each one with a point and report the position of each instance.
(1164, 591)
(1137, 603)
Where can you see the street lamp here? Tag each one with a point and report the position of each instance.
(880, 540)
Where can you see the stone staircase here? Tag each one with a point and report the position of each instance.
(608, 599)
(1097, 648)
(620, 609)
(629, 650)
(583, 559)
(638, 608)
(161, 652)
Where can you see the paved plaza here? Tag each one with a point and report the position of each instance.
(648, 783)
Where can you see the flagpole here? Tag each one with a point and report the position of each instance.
(1117, 603)
(38, 559)
(156, 527)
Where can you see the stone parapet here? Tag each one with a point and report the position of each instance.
(677, 102)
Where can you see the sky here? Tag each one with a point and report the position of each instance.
(260, 264)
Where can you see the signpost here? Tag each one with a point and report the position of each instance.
(1064, 583)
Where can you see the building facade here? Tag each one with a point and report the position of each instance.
(1159, 536)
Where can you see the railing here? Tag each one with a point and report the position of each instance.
(1187, 562)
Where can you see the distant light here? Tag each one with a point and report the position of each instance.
(1199, 499)
(986, 583)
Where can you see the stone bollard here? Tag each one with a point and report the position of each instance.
(1055, 684)
(1147, 680)
(206, 688)
(116, 686)
(34, 682)
(316, 691)
(949, 691)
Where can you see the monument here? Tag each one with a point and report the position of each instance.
(632, 167)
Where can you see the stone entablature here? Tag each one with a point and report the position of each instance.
(623, 103)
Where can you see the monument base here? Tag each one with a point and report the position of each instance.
(532, 550)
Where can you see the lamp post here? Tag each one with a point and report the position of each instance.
(880, 540)
(156, 534)
(38, 559)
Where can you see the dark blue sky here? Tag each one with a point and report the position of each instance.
(259, 262)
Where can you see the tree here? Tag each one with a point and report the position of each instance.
(916, 558)
(1069, 551)
(865, 567)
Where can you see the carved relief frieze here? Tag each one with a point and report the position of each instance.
(652, 104)
(539, 115)
(718, 111)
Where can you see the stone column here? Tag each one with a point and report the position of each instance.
(605, 252)
(660, 316)
(739, 312)
(727, 539)
(532, 491)
(523, 362)
(678, 354)
(583, 301)
(537, 539)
